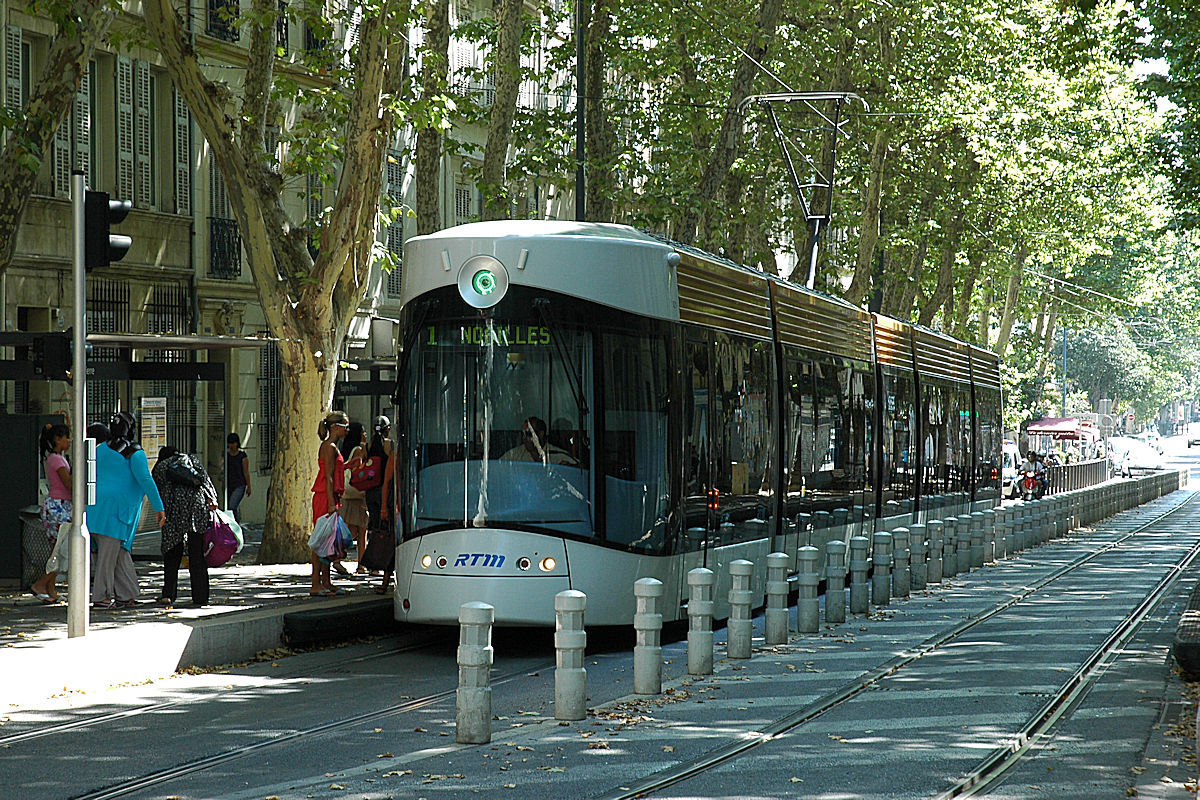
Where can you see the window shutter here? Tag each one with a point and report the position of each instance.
(124, 128)
(83, 123)
(183, 157)
(217, 199)
(62, 159)
(394, 176)
(14, 99)
(144, 132)
(315, 202)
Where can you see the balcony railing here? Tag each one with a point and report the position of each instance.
(221, 16)
(224, 249)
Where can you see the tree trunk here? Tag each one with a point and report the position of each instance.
(1045, 345)
(985, 317)
(30, 142)
(600, 154)
(506, 65)
(860, 284)
(725, 149)
(962, 308)
(1010, 299)
(434, 70)
(912, 281)
(943, 293)
(900, 295)
(308, 305)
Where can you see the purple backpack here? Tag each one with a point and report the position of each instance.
(220, 543)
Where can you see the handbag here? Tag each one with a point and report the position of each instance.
(219, 543)
(368, 474)
(380, 551)
(181, 471)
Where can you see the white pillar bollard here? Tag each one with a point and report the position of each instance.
(808, 611)
(933, 572)
(949, 548)
(901, 577)
(570, 641)
(918, 569)
(859, 569)
(881, 569)
(989, 536)
(647, 622)
(473, 700)
(962, 546)
(700, 614)
(804, 529)
(835, 581)
(977, 537)
(740, 629)
(775, 618)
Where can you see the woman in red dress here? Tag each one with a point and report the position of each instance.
(327, 491)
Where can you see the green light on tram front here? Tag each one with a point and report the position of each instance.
(484, 282)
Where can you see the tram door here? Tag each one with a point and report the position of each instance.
(697, 466)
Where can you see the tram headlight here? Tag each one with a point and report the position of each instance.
(547, 564)
(441, 562)
(482, 281)
(523, 563)
(426, 561)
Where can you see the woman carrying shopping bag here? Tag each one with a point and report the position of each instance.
(56, 508)
(327, 493)
(189, 498)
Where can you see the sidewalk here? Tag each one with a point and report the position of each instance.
(245, 616)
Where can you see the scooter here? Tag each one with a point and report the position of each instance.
(1032, 487)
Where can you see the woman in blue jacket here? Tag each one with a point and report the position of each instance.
(122, 479)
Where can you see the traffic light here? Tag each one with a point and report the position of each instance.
(100, 246)
(52, 356)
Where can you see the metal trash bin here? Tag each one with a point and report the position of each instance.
(35, 547)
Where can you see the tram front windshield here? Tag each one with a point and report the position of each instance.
(499, 432)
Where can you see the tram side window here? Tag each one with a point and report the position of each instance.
(900, 459)
(988, 441)
(635, 440)
(746, 438)
(695, 430)
(861, 405)
(935, 478)
(799, 415)
(963, 451)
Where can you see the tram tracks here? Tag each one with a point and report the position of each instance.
(1003, 758)
(153, 708)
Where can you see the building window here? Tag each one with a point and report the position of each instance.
(463, 202)
(221, 17)
(281, 28)
(395, 246)
(108, 312)
(169, 311)
(270, 384)
(224, 239)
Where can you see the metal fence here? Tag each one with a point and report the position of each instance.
(1068, 477)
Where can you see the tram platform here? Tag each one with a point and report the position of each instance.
(248, 609)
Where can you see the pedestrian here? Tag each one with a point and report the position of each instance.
(387, 532)
(122, 480)
(327, 492)
(189, 499)
(237, 474)
(379, 449)
(354, 501)
(56, 508)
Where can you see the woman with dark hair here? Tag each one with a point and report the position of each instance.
(122, 480)
(56, 508)
(189, 506)
(327, 492)
(354, 502)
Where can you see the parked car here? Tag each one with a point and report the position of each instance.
(1010, 459)
(1151, 437)
(1193, 433)
(1130, 456)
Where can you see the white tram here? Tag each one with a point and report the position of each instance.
(583, 405)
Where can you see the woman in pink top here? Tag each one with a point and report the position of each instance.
(56, 509)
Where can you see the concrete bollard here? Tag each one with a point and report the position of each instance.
(901, 578)
(647, 651)
(989, 536)
(918, 569)
(822, 522)
(1003, 529)
(933, 572)
(473, 700)
(775, 618)
(881, 569)
(807, 606)
(570, 640)
(949, 548)
(859, 568)
(835, 581)
(977, 536)
(962, 543)
(700, 614)
(740, 629)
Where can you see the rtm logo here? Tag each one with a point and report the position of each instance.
(479, 560)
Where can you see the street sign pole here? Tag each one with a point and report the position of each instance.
(79, 569)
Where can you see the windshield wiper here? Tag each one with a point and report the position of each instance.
(574, 380)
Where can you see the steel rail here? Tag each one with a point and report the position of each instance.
(99, 719)
(201, 764)
(688, 769)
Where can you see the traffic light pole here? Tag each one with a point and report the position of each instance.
(80, 565)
